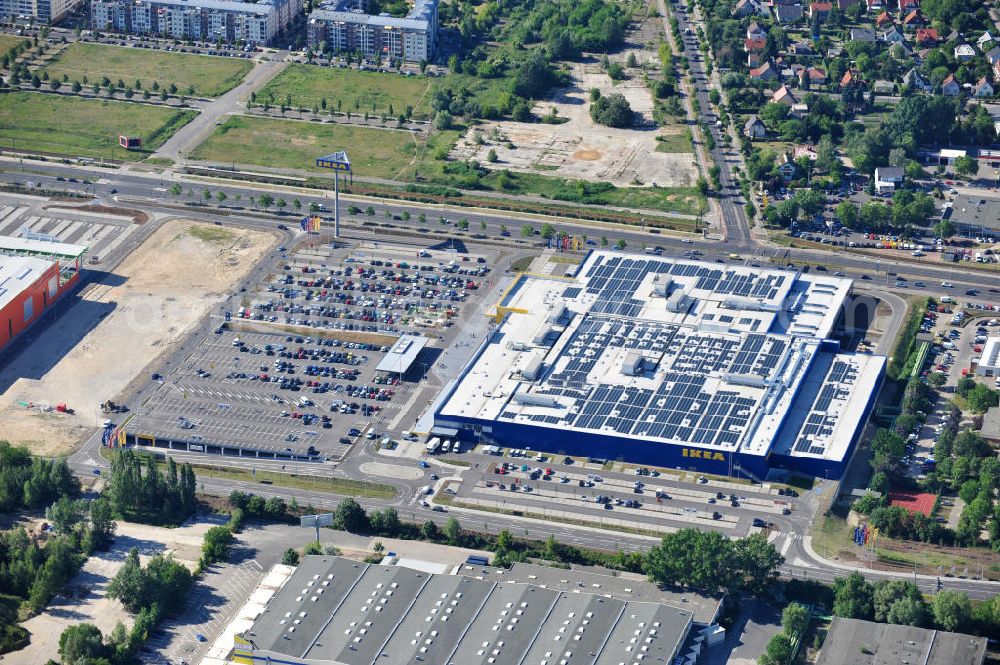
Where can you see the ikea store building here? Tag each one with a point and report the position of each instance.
(674, 363)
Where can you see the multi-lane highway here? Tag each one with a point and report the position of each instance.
(150, 191)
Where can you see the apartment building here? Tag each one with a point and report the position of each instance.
(343, 26)
(42, 11)
(211, 20)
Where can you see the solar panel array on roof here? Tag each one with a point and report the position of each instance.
(679, 408)
(615, 280)
(819, 425)
(572, 292)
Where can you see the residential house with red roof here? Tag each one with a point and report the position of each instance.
(820, 10)
(950, 86)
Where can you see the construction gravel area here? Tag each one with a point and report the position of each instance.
(118, 325)
(580, 148)
(84, 599)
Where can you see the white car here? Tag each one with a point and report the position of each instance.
(947, 285)
(686, 240)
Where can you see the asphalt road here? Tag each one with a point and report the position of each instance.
(151, 192)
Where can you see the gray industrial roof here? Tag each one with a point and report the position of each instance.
(623, 586)
(856, 642)
(354, 613)
(976, 211)
(400, 357)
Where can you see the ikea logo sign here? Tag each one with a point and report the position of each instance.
(703, 454)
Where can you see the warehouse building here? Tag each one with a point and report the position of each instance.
(335, 611)
(341, 26)
(227, 21)
(857, 642)
(722, 369)
(33, 276)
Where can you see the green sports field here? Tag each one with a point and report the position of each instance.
(356, 91)
(210, 76)
(84, 127)
(292, 144)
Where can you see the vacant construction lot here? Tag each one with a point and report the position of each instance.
(133, 316)
(349, 90)
(84, 127)
(84, 599)
(294, 144)
(210, 76)
(580, 148)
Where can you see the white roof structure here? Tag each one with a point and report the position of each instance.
(989, 361)
(18, 273)
(400, 357)
(11, 245)
(730, 355)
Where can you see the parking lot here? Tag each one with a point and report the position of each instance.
(290, 371)
(627, 497)
(384, 290)
(99, 232)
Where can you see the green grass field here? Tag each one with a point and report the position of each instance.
(7, 42)
(84, 127)
(675, 142)
(357, 92)
(291, 144)
(210, 76)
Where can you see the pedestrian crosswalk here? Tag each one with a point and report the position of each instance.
(100, 235)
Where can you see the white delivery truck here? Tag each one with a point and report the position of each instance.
(433, 445)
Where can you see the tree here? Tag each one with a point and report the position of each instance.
(66, 513)
(350, 516)
(290, 557)
(621, 243)
(266, 200)
(966, 166)
(952, 610)
(888, 593)
(216, 544)
(81, 643)
(491, 156)
(612, 111)
(847, 213)
(794, 619)
(548, 231)
(443, 120)
(944, 229)
(757, 562)
(453, 531)
(129, 584)
(296, 204)
(908, 612)
(779, 651)
(853, 597)
(102, 522)
(527, 230)
(429, 530)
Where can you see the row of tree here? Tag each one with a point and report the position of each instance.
(140, 492)
(901, 602)
(32, 482)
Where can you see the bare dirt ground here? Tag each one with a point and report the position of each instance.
(580, 148)
(84, 599)
(131, 317)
